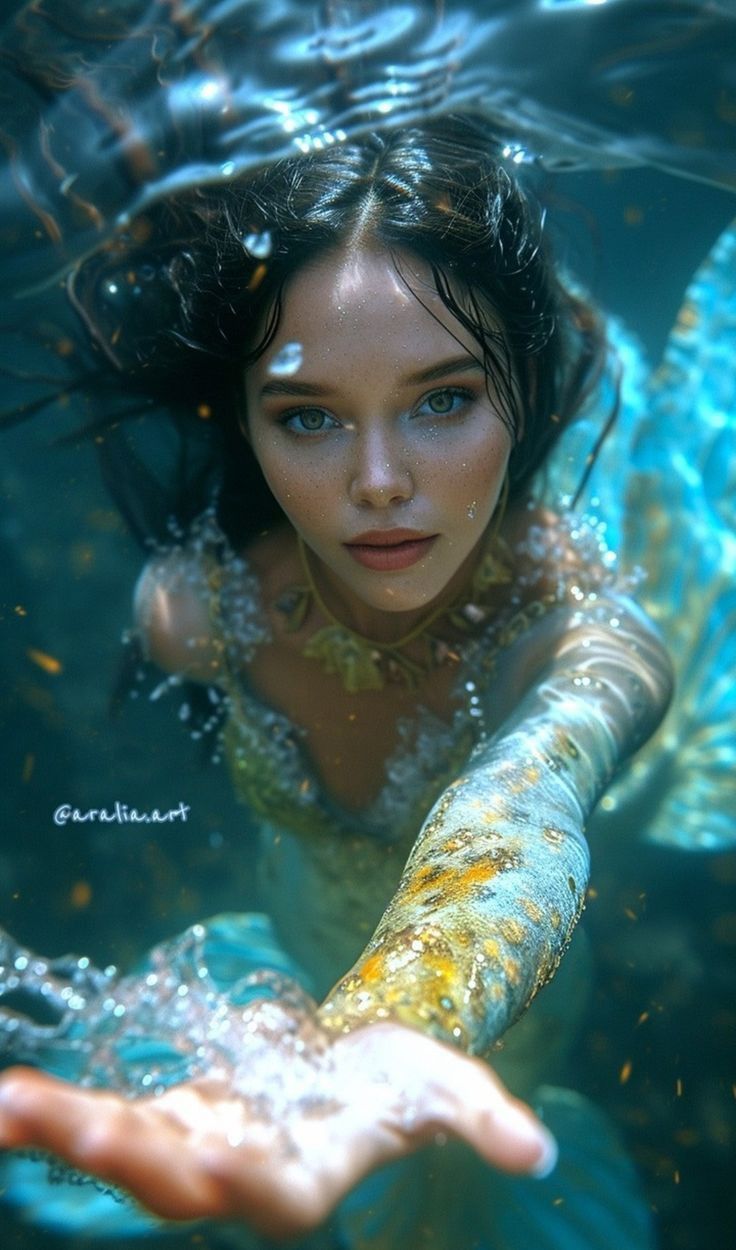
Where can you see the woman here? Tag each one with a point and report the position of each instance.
(418, 660)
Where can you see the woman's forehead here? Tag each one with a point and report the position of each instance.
(345, 278)
(367, 299)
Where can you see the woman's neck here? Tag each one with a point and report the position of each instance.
(377, 624)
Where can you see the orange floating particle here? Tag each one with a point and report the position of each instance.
(643, 1017)
(204, 412)
(48, 663)
(257, 277)
(678, 1087)
(20, 610)
(80, 895)
(29, 764)
(141, 229)
(625, 1072)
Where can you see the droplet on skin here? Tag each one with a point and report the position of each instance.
(286, 362)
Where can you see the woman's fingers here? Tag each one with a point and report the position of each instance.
(137, 1146)
(195, 1152)
(203, 1150)
(498, 1126)
(433, 1088)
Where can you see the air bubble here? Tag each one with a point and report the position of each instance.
(259, 245)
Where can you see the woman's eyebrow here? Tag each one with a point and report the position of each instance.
(294, 388)
(455, 364)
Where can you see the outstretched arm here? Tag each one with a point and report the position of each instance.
(497, 878)
(484, 909)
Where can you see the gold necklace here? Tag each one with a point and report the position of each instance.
(359, 661)
(363, 663)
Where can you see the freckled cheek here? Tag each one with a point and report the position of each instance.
(478, 476)
(487, 478)
(487, 465)
(305, 496)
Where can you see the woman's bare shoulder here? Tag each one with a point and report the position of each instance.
(176, 597)
(556, 560)
(553, 551)
(172, 615)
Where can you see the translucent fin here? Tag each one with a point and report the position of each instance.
(664, 489)
(592, 1200)
(688, 501)
(446, 1199)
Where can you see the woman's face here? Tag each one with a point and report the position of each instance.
(371, 418)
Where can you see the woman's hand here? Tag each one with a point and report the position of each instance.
(280, 1142)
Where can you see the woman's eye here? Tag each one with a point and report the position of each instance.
(308, 421)
(445, 402)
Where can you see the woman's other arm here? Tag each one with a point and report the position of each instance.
(497, 878)
(489, 876)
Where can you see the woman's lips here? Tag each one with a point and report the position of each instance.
(385, 553)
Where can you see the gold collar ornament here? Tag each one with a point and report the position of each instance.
(363, 663)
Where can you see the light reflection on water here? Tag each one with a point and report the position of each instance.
(107, 109)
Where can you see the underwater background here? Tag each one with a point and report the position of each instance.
(657, 1049)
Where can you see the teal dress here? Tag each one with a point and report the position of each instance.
(662, 477)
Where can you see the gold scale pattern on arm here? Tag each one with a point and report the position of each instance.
(497, 879)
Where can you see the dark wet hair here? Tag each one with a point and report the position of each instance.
(180, 302)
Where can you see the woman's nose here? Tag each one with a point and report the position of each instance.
(381, 473)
